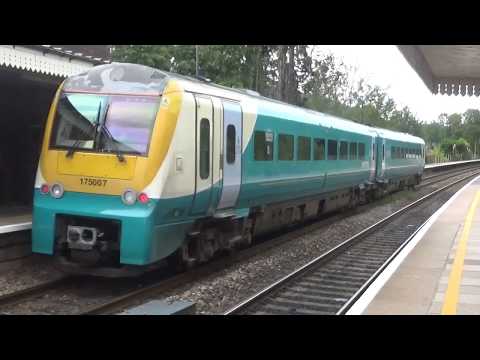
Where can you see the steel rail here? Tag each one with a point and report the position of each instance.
(185, 277)
(32, 291)
(351, 301)
(337, 250)
(426, 182)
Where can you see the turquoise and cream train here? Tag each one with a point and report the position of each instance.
(140, 165)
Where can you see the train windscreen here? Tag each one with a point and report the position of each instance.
(104, 123)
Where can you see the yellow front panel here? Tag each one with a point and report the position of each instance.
(96, 165)
(136, 174)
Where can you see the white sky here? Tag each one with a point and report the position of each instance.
(385, 66)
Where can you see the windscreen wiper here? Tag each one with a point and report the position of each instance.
(112, 141)
(76, 144)
(73, 148)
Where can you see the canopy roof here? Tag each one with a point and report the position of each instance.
(446, 69)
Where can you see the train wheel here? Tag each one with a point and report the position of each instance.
(180, 260)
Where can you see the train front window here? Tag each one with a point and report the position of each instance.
(130, 120)
(75, 120)
(127, 123)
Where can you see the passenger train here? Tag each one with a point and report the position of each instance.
(139, 166)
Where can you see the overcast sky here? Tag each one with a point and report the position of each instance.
(385, 66)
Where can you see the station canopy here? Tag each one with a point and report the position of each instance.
(446, 69)
(58, 61)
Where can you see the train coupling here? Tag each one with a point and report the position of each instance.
(82, 237)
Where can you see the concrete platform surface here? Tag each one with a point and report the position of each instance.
(15, 219)
(439, 273)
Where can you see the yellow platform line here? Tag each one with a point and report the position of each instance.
(453, 290)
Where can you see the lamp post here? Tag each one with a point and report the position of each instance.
(196, 60)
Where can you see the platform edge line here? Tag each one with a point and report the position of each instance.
(362, 303)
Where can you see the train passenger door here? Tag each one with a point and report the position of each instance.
(232, 154)
(203, 153)
(380, 157)
(373, 158)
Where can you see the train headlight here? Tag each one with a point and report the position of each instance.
(129, 197)
(56, 191)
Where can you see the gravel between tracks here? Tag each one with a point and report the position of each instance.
(30, 272)
(219, 292)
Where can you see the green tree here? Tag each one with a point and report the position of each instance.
(472, 128)
(293, 74)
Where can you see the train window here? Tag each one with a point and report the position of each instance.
(373, 151)
(263, 146)
(285, 147)
(383, 151)
(392, 151)
(361, 151)
(318, 149)
(204, 148)
(353, 151)
(230, 144)
(343, 150)
(304, 148)
(332, 150)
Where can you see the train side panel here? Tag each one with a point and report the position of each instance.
(275, 180)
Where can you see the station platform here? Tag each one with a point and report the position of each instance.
(449, 164)
(15, 218)
(438, 271)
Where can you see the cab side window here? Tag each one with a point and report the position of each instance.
(204, 148)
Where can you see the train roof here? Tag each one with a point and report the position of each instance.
(399, 136)
(140, 79)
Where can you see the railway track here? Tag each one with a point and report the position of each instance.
(429, 180)
(121, 296)
(332, 282)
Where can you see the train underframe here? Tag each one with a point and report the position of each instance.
(210, 236)
(91, 246)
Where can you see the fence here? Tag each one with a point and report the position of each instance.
(432, 159)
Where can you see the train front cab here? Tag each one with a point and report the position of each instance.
(106, 208)
(101, 149)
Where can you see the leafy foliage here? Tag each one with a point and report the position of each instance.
(299, 75)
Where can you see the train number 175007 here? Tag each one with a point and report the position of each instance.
(93, 182)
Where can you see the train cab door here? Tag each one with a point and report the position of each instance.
(204, 154)
(231, 160)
